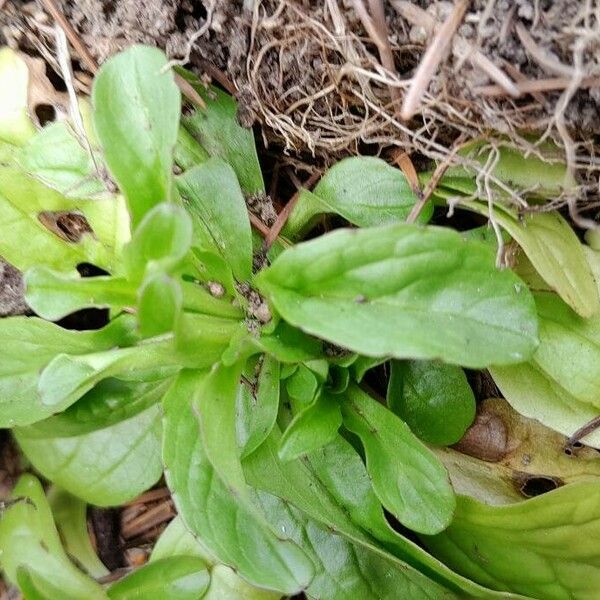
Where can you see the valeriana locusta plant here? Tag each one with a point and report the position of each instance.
(237, 372)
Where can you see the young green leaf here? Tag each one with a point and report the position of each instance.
(365, 190)
(212, 195)
(555, 251)
(231, 532)
(225, 584)
(405, 291)
(543, 548)
(106, 466)
(407, 477)
(70, 515)
(175, 578)
(29, 540)
(257, 403)
(433, 399)
(28, 345)
(53, 295)
(15, 125)
(160, 242)
(159, 305)
(220, 134)
(313, 427)
(136, 117)
(302, 385)
(67, 377)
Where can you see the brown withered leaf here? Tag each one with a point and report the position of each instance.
(505, 457)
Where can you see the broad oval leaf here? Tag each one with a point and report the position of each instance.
(433, 399)
(29, 540)
(407, 477)
(174, 578)
(136, 117)
(108, 465)
(232, 533)
(543, 548)
(364, 190)
(405, 291)
(214, 199)
(159, 305)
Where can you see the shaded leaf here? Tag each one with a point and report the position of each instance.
(159, 305)
(407, 477)
(433, 399)
(213, 197)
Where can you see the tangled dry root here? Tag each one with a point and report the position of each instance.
(331, 77)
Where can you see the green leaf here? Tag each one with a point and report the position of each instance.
(557, 254)
(364, 190)
(405, 291)
(70, 514)
(177, 540)
(544, 547)
(15, 125)
(257, 403)
(313, 427)
(159, 305)
(107, 466)
(22, 199)
(433, 399)
(136, 117)
(160, 242)
(302, 385)
(542, 174)
(233, 533)
(220, 134)
(175, 578)
(348, 563)
(407, 477)
(559, 385)
(67, 377)
(342, 472)
(215, 403)
(53, 295)
(226, 584)
(29, 540)
(534, 394)
(212, 195)
(58, 159)
(28, 346)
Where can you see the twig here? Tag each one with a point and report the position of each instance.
(542, 57)
(430, 186)
(187, 89)
(282, 217)
(150, 496)
(582, 432)
(537, 85)
(154, 516)
(258, 225)
(57, 15)
(434, 54)
(402, 159)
